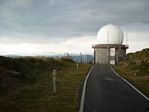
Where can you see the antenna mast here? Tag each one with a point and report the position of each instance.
(108, 46)
(126, 38)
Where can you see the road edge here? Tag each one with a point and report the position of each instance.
(83, 91)
(143, 95)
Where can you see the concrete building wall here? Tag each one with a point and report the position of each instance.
(102, 55)
(105, 56)
(120, 54)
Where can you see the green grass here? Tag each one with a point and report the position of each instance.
(32, 90)
(139, 81)
(135, 69)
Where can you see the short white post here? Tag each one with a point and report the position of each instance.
(77, 65)
(54, 81)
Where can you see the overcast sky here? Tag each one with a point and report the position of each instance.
(45, 27)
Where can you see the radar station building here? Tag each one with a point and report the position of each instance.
(110, 48)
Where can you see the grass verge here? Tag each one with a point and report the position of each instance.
(139, 81)
(31, 89)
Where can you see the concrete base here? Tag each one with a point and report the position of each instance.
(109, 54)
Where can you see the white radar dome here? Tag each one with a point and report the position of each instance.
(110, 34)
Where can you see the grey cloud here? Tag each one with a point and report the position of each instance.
(69, 18)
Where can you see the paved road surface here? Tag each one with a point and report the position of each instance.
(106, 92)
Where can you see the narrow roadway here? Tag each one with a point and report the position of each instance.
(106, 92)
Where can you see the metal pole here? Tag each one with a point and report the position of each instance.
(80, 57)
(86, 58)
(108, 47)
(77, 65)
(126, 38)
(54, 81)
(94, 56)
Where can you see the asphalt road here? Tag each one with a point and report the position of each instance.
(106, 92)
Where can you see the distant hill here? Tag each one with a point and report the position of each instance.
(85, 58)
(77, 58)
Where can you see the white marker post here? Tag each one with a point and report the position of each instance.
(77, 65)
(54, 81)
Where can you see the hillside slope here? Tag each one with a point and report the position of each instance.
(136, 69)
